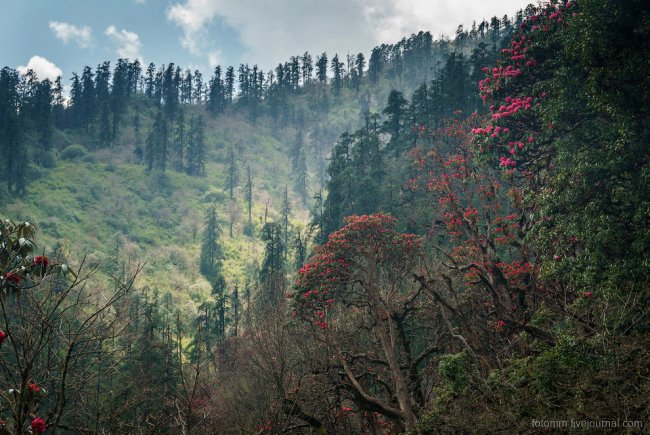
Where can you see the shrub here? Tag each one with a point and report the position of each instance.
(74, 152)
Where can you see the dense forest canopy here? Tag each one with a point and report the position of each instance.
(441, 236)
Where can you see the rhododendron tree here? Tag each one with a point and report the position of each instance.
(568, 137)
(50, 333)
(478, 227)
(359, 295)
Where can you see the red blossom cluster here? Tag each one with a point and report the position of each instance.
(38, 425)
(13, 278)
(327, 275)
(265, 427)
(33, 387)
(41, 260)
(516, 272)
(506, 86)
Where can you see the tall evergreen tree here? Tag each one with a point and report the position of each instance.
(195, 147)
(232, 174)
(229, 84)
(12, 147)
(211, 251)
(272, 272)
(198, 87)
(88, 99)
(151, 71)
(337, 75)
(321, 68)
(395, 112)
(307, 68)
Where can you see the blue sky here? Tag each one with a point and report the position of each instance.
(61, 36)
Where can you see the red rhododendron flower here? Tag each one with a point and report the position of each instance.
(41, 260)
(38, 425)
(13, 277)
(587, 295)
(3, 336)
(33, 387)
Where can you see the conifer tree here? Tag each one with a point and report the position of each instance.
(229, 84)
(272, 272)
(395, 112)
(337, 75)
(151, 71)
(232, 174)
(321, 68)
(211, 251)
(307, 68)
(198, 87)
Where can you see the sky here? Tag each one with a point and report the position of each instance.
(59, 37)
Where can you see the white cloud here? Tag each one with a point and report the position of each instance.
(214, 58)
(274, 30)
(43, 68)
(393, 19)
(140, 2)
(66, 32)
(192, 17)
(128, 43)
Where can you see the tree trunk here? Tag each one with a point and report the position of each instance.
(386, 331)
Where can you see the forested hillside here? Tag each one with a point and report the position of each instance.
(443, 236)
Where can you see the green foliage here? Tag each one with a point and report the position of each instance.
(453, 370)
(74, 152)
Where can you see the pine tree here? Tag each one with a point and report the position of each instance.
(186, 88)
(58, 104)
(42, 116)
(394, 124)
(376, 64)
(198, 87)
(102, 98)
(229, 84)
(307, 68)
(195, 147)
(272, 273)
(211, 251)
(357, 71)
(220, 295)
(11, 131)
(232, 174)
(151, 71)
(88, 98)
(337, 72)
(321, 68)
(216, 95)
(170, 90)
(75, 101)
(300, 246)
